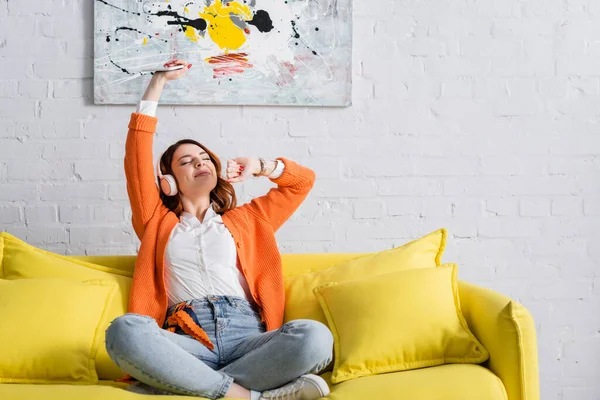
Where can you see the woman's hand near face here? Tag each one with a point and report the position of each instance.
(241, 168)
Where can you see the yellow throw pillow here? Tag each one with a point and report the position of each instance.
(19, 260)
(398, 321)
(425, 252)
(51, 329)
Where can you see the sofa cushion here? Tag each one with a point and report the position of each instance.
(105, 390)
(19, 260)
(51, 329)
(445, 382)
(425, 252)
(398, 321)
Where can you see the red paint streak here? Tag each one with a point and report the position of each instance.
(291, 67)
(247, 31)
(229, 64)
(157, 34)
(228, 58)
(286, 77)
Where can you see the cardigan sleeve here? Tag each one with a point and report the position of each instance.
(293, 185)
(142, 190)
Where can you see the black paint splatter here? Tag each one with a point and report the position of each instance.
(262, 21)
(121, 68)
(199, 23)
(126, 28)
(118, 8)
(297, 36)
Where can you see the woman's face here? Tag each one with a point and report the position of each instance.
(194, 171)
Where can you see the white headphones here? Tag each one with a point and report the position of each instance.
(167, 182)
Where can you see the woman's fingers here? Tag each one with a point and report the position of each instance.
(234, 166)
(176, 74)
(175, 62)
(235, 172)
(235, 177)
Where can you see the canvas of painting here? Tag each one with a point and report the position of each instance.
(244, 52)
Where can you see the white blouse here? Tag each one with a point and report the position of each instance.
(201, 260)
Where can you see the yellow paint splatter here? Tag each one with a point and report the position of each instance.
(145, 41)
(185, 9)
(221, 28)
(190, 33)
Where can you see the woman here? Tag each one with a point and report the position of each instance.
(207, 299)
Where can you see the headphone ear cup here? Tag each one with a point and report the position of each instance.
(168, 185)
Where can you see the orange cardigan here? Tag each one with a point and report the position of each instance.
(252, 226)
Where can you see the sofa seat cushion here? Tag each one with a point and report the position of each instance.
(103, 391)
(444, 382)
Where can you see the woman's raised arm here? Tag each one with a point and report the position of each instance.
(143, 193)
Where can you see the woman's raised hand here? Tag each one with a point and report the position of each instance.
(172, 75)
(160, 79)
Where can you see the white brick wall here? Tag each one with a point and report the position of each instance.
(479, 116)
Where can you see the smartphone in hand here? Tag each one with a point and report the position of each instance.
(161, 68)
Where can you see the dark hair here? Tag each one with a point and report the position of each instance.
(223, 195)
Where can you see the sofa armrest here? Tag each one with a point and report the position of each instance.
(507, 331)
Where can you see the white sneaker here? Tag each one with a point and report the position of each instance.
(307, 387)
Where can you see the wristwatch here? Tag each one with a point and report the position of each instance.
(263, 167)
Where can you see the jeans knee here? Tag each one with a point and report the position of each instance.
(316, 343)
(122, 331)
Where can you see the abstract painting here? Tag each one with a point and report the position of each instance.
(243, 52)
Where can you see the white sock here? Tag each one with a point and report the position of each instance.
(255, 395)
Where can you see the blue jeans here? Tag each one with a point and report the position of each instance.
(243, 352)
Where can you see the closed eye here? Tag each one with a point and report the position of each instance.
(204, 159)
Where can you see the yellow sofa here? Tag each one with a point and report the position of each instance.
(503, 326)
